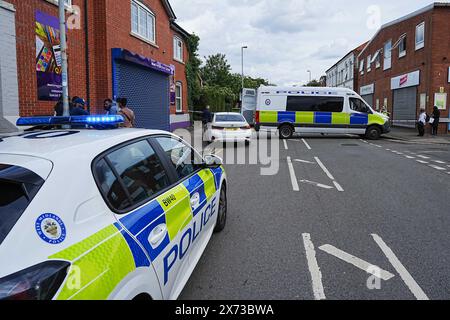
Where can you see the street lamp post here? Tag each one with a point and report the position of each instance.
(310, 79)
(65, 82)
(242, 56)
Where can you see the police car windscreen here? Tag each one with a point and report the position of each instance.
(229, 118)
(18, 187)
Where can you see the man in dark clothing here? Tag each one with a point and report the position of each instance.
(207, 116)
(78, 108)
(59, 108)
(435, 124)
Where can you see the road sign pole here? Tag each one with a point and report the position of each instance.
(65, 82)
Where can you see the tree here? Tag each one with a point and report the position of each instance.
(217, 71)
(314, 83)
(193, 71)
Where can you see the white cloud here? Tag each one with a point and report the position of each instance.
(285, 37)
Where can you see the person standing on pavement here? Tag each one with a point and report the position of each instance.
(127, 113)
(435, 122)
(110, 107)
(206, 117)
(422, 122)
(78, 107)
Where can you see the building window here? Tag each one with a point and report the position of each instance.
(387, 55)
(402, 48)
(179, 96)
(361, 66)
(369, 63)
(178, 49)
(420, 36)
(378, 59)
(142, 21)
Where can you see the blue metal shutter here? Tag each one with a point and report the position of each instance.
(147, 92)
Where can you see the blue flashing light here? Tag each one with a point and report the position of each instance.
(100, 120)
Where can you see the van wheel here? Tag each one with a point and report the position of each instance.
(373, 133)
(286, 131)
(223, 206)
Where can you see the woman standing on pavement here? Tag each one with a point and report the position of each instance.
(435, 124)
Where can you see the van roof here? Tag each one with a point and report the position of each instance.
(286, 89)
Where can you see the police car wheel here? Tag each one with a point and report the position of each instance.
(286, 131)
(222, 216)
(373, 133)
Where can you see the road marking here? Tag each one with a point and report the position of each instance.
(357, 262)
(388, 149)
(285, 145)
(423, 162)
(363, 141)
(320, 185)
(437, 167)
(295, 186)
(324, 168)
(440, 162)
(306, 144)
(304, 161)
(314, 270)
(423, 157)
(401, 270)
(338, 186)
(410, 157)
(376, 145)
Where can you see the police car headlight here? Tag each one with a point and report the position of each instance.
(40, 282)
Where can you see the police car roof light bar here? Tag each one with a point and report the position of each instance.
(72, 120)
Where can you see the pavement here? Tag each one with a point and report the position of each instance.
(336, 206)
(410, 135)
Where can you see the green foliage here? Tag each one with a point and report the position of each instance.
(193, 70)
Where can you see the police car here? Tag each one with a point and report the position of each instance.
(103, 214)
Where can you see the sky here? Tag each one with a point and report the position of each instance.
(286, 38)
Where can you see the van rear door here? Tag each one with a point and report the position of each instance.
(249, 105)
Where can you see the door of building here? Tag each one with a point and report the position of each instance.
(404, 107)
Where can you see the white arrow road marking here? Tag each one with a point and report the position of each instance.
(292, 174)
(338, 186)
(437, 167)
(401, 270)
(410, 157)
(285, 145)
(306, 144)
(324, 186)
(424, 157)
(423, 162)
(440, 162)
(313, 266)
(357, 262)
(303, 161)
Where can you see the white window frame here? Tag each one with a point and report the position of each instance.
(68, 4)
(387, 56)
(149, 28)
(402, 51)
(420, 44)
(176, 41)
(179, 99)
(369, 63)
(361, 66)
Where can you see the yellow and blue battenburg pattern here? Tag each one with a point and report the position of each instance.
(104, 259)
(320, 118)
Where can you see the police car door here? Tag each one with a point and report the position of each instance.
(194, 219)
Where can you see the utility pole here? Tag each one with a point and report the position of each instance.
(310, 79)
(62, 34)
(242, 55)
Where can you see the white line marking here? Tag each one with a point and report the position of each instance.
(314, 270)
(388, 149)
(306, 144)
(376, 145)
(423, 162)
(303, 161)
(448, 172)
(293, 176)
(401, 270)
(410, 157)
(357, 262)
(437, 167)
(440, 162)
(285, 145)
(338, 186)
(363, 141)
(324, 186)
(423, 157)
(324, 168)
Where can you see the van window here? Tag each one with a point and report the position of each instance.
(18, 188)
(315, 104)
(359, 106)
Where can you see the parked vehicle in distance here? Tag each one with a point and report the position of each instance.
(317, 110)
(228, 127)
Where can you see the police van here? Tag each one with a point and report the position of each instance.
(103, 214)
(317, 110)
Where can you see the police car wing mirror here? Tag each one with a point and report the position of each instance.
(213, 161)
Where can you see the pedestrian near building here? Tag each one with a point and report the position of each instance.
(110, 107)
(128, 114)
(422, 122)
(434, 121)
(78, 107)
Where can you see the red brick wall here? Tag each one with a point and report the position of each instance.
(429, 60)
(109, 26)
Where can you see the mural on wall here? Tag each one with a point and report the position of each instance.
(48, 57)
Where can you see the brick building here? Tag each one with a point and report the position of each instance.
(406, 66)
(133, 49)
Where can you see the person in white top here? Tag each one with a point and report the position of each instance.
(422, 122)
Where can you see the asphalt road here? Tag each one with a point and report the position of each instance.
(385, 203)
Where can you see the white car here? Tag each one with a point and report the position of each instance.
(228, 127)
(104, 214)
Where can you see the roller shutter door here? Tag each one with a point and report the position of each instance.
(147, 92)
(405, 101)
(369, 99)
